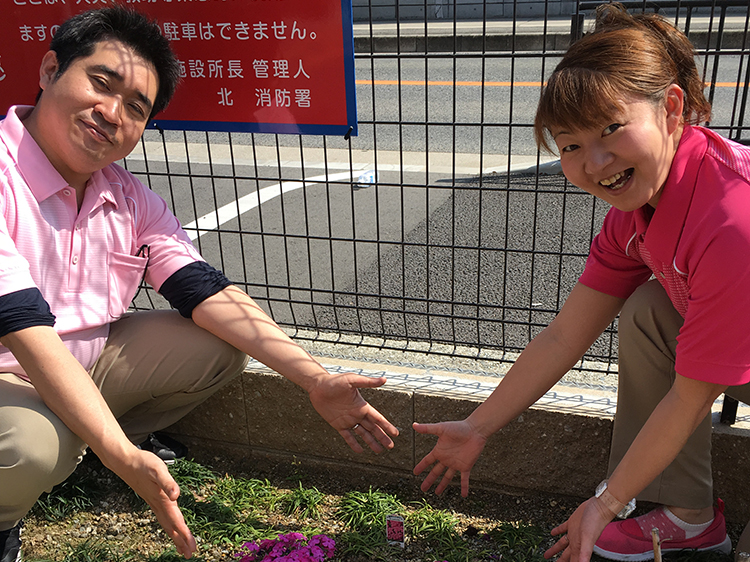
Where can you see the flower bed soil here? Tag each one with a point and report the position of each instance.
(123, 522)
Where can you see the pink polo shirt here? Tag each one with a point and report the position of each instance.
(697, 245)
(84, 263)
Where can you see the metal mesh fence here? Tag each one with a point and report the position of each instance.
(440, 228)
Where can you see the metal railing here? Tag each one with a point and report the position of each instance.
(432, 231)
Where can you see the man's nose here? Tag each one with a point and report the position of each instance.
(110, 107)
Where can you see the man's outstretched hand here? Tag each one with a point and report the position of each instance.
(337, 399)
(149, 477)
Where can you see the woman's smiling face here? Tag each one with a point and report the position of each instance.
(625, 161)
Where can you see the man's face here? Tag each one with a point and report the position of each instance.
(96, 111)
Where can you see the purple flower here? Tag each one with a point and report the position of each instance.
(292, 547)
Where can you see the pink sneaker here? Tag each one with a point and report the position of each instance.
(631, 539)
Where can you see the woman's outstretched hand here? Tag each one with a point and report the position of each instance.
(580, 532)
(458, 448)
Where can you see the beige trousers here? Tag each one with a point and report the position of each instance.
(648, 329)
(155, 368)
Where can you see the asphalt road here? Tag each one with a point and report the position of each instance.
(441, 248)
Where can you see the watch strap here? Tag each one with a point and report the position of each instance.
(621, 510)
(611, 502)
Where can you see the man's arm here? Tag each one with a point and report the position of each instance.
(67, 389)
(583, 317)
(234, 317)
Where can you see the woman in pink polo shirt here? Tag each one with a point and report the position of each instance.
(672, 259)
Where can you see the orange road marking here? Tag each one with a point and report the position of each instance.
(490, 84)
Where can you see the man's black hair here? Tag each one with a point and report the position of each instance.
(79, 35)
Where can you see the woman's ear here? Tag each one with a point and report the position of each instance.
(48, 69)
(674, 102)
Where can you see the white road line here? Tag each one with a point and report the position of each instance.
(288, 158)
(214, 219)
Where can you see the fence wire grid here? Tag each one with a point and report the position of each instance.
(440, 228)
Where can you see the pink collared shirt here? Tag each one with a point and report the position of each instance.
(83, 262)
(697, 245)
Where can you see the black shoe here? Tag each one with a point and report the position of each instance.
(10, 544)
(164, 447)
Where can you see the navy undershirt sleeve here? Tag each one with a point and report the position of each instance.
(24, 309)
(190, 285)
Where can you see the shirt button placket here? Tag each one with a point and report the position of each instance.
(75, 253)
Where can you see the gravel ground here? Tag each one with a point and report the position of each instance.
(120, 519)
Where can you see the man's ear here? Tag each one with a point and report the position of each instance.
(674, 100)
(48, 69)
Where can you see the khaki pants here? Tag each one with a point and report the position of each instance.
(648, 329)
(155, 368)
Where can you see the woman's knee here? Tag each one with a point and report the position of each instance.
(649, 310)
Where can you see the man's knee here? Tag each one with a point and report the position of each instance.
(236, 361)
(34, 457)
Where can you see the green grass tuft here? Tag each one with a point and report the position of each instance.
(365, 511)
(76, 494)
(303, 502)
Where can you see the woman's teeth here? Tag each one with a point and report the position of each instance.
(616, 181)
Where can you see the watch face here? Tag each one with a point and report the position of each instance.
(627, 510)
(600, 488)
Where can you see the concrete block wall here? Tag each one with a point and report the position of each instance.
(261, 415)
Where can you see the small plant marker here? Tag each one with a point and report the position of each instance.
(657, 544)
(394, 530)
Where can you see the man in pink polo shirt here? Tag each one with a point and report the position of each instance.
(77, 235)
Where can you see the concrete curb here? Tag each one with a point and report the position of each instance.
(558, 447)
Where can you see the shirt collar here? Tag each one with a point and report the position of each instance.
(664, 230)
(38, 172)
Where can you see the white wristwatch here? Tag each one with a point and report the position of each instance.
(620, 509)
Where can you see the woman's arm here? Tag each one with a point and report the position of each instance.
(660, 440)
(583, 317)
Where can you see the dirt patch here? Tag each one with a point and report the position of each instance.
(121, 521)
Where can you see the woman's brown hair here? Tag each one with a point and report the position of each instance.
(625, 56)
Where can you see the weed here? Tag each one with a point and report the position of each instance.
(76, 494)
(365, 514)
(172, 556)
(246, 494)
(95, 551)
(365, 511)
(438, 528)
(430, 523)
(190, 475)
(303, 502)
(217, 523)
(519, 541)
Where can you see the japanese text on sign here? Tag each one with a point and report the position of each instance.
(270, 65)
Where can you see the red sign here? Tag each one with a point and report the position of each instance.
(282, 66)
